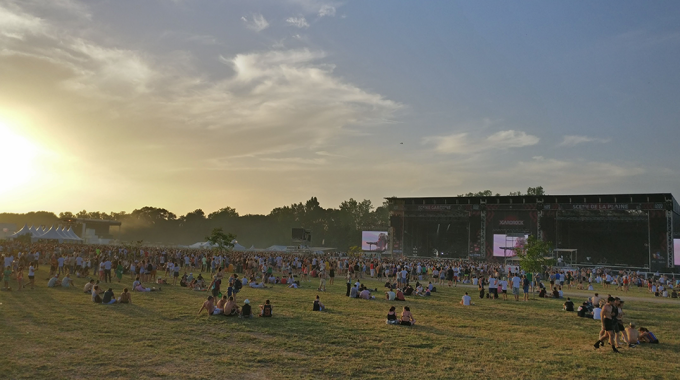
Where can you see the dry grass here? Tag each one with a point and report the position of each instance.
(58, 333)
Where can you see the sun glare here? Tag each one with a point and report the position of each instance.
(17, 159)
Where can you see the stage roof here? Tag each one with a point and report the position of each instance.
(653, 198)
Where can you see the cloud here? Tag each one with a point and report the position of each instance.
(327, 10)
(299, 22)
(257, 22)
(573, 140)
(16, 24)
(462, 143)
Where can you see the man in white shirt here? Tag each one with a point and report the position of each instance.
(390, 295)
(515, 286)
(466, 300)
(493, 290)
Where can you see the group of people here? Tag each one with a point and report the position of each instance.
(266, 269)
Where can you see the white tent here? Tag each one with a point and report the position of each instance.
(277, 248)
(72, 235)
(23, 231)
(36, 231)
(238, 247)
(51, 234)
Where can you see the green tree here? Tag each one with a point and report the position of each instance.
(221, 239)
(538, 190)
(535, 255)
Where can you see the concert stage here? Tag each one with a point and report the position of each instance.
(635, 230)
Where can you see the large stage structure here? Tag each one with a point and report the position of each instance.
(630, 230)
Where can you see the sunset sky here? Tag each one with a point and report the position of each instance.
(186, 104)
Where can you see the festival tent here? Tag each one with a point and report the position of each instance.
(60, 232)
(23, 231)
(277, 248)
(72, 235)
(51, 234)
(238, 247)
(36, 231)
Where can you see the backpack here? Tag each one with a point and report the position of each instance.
(267, 311)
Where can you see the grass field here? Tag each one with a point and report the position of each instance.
(60, 334)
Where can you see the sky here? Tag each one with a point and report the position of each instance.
(187, 104)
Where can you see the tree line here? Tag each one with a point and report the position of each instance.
(330, 227)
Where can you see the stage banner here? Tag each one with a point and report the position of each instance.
(507, 230)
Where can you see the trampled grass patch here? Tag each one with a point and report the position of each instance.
(59, 333)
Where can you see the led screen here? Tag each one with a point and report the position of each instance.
(374, 241)
(505, 245)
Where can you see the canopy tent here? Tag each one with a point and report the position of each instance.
(23, 231)
(51, 234)
(72, 234)
(277, 248)
(36, 231)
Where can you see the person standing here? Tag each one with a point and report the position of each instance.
(31, 275)
(515, 286)
(607, 325)
(107, 270)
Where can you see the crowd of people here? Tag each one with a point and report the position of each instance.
(173, 266)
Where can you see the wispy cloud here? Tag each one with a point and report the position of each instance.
(327, 10)
(573, 140)
(462, 143)
(256, 22)
(299, 22)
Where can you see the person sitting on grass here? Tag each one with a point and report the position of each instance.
(221, 303)
(96, 297)
(400, 295)
(109, 298)
(318, 306)
(390, 295)
(392, 316)
(419, 290)
(53, 282)
(209, 307)
(137, 286)
(408, 290)
(293, 285)
(366, 294)
(584, 311)
(230, 308)
(466, 300)
(246, 310)
(632, 335)
(266, 309)
(67, 282)
(88, 287)
(407, 318)
(256, 285)
(354, 292)
(647, 336)
(568, 305)
(125, 297)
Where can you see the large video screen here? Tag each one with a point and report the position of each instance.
(506, 245)
(676, 254)
(374, 241)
